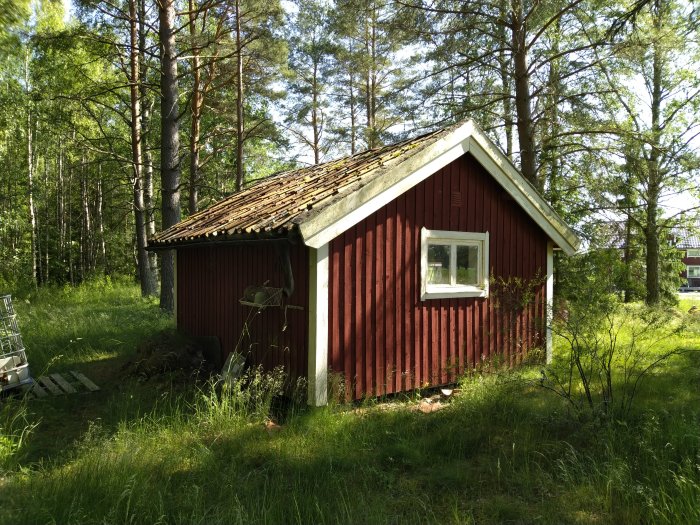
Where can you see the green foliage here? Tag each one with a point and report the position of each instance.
(595, 276)
(670, 268)
(13, 12)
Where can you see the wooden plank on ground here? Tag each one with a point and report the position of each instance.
(50, 386)
(37, 390)
(92, 387)
(65, 385)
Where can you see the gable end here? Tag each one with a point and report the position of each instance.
(329, 222)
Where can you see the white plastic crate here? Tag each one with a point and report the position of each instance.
(14, 369)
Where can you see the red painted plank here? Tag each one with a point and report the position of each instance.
(399, 277)
(348, 284)
(390, 286)
(379, 303)
(412, 302)
(336, 310)
(359, 299)
(210, 282)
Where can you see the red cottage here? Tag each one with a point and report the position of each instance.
(379, 267)
(687, 241)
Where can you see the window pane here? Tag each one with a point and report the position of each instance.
(693, 271)
(438, 264)
(693, 253)
(467, 264)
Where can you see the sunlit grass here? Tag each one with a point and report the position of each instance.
(62, 327)
(503, 451)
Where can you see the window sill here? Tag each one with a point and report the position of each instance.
(453, 293)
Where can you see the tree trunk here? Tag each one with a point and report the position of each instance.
(47, 236)
(369, 91)
(353, 119)
(30, 174)
(71, 273)
(505, 83)
(373, 78)
(314, 115)
(146, 278)
(60, 211)
(170, 145)
(653, 295)
(550, 165)
(196, 113)
(652, 258)
(526, 139)
(147, 170)
(627, 256)
(240, 125)
(99, 212)
(84, 222)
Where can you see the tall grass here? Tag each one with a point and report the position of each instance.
(68, 326)
(503, 451)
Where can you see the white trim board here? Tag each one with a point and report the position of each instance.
(549, 304)
(318, 327)
(338, 217)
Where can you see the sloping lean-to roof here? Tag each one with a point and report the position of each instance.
(322, 201)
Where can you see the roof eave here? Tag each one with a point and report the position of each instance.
(524, 193)
(227, 239)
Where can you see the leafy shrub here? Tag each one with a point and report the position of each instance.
(606, 347)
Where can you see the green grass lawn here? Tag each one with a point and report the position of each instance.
(165, 451)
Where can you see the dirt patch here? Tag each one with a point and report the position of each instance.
(169, 352)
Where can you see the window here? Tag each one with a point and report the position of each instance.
(694, 271)
(693, 253)
(454, 264)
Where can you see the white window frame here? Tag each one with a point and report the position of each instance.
(454, 239)
(694, 266)
(695, 252)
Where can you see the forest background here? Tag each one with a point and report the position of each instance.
(120, 117)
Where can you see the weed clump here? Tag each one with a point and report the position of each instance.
(248, 398)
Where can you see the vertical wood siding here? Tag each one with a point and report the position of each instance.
(211, 280)
(382, 337)
(690, 261)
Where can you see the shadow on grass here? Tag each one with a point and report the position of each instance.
(479, 459)
(502, 452)
(62, 422)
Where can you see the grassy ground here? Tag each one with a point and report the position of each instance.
(504, 451)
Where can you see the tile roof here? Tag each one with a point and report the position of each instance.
(275, 205)
(687, 237)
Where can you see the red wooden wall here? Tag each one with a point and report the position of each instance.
(690, 261)
(382, 337)
(211, 280)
